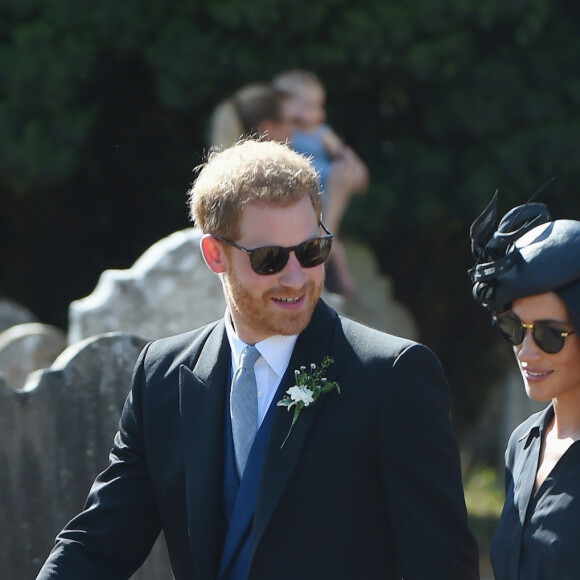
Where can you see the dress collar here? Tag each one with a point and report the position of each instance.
(538, 426)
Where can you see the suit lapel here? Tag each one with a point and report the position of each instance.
(202, 403)
(280, 462)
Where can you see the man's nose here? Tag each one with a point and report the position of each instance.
(293, 273)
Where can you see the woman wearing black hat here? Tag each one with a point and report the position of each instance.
(528, 276)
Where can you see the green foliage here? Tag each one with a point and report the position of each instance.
(104, 106)
(41, 126)
(484, 497)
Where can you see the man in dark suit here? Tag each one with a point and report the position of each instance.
(354, 470)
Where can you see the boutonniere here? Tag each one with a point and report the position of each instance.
(308, 387)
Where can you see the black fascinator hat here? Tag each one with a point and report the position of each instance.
(528, 254)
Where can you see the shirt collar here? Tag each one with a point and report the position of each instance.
(537, 428)
(276, 350)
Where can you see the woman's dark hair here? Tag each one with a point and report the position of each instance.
(243, 112)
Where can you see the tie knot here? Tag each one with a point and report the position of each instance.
(249, 357)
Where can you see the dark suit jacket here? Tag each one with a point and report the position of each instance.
(367, 486)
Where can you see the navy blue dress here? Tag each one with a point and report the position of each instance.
(538, 535)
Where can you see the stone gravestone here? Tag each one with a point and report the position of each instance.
(168, 290)
(57, 432)
(28, 347)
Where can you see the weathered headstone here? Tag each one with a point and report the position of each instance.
(28, 347)
(168, 290)
(57, 432)
(12, 313)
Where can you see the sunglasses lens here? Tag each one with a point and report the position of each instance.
(548, 338)
(510, 329)
(273, 259)
(269, 259)
(313, 252)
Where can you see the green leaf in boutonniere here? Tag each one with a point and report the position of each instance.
(308, 387)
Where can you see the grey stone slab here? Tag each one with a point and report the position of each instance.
(28, 347)
(56, 435)
(168, 290)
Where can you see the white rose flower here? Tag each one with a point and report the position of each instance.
(301, 394)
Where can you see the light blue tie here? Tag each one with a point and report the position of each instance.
(244, 406)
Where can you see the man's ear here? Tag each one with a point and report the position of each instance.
(212, 253)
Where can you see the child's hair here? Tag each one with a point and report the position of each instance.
(292, 81)
(243, 113)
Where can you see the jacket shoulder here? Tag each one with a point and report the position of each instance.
(376, 349)
(371, 339)
(166, 354)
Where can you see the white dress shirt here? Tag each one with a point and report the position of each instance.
(275, 354)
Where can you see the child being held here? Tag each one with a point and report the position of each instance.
(341, 171)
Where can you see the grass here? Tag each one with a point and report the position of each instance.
(484, 497)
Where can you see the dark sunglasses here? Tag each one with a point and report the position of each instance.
(549, 338)
(273, 259)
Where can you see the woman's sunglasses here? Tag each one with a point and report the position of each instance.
(273, 259)
(549, 338)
